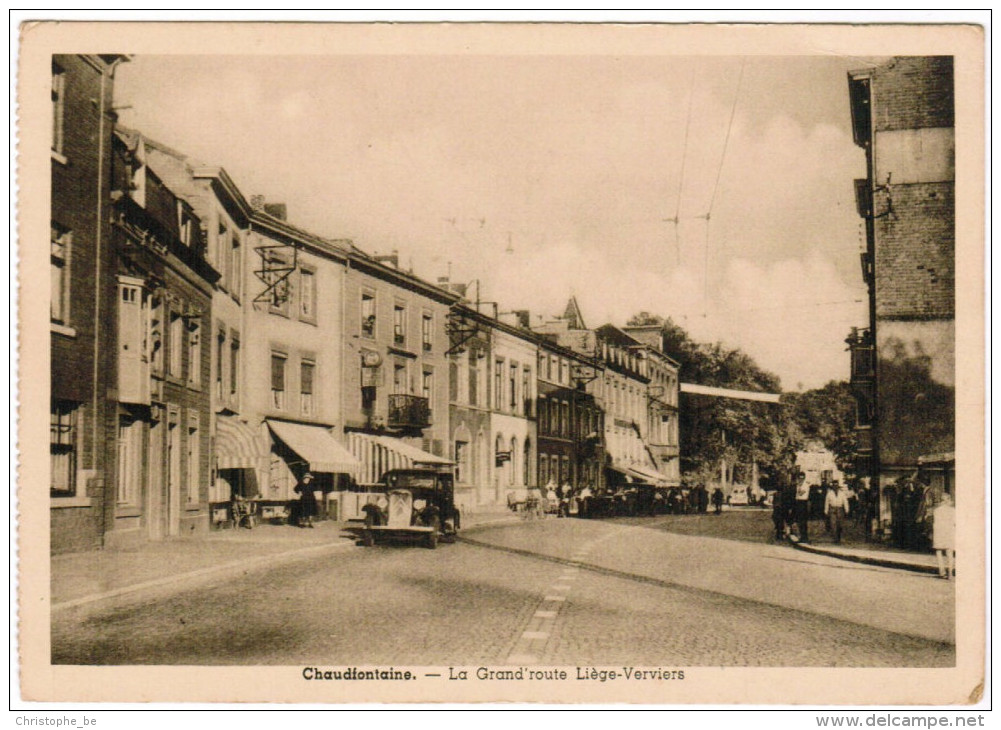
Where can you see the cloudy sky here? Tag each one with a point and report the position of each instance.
(576, 161)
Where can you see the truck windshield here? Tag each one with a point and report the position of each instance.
(412, 481)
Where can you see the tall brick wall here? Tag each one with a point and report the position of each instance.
(80, 205)
(912, 92)
(915, 253)
(914, 246)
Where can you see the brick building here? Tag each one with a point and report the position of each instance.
(160, 424)
(83, 296)
(903, 363)
(570, 424)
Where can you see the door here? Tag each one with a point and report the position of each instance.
(173, 479)
(155, 511)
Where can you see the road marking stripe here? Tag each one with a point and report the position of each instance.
(560, 587)
(545, 614)
(535, 635)
(555, 598)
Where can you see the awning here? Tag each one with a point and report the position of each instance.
(648, 475)
(629, 477)
(379, 454)
(238, 445)
(316, 446)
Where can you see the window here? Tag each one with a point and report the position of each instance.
(307, 371)
(543, 358)
(399, 324)
(219, 354)
(543, 469)
(368, 314)
(498, 384)
(194, 461)
(156, 333)
(543, 415)
(133, 342)
(567, 477)
(221, 259)
(235, 265)
(278, 380)
(307, 295)
(526, 463)
(59, 272)
(427, 386)
(526, 390)
(58, 102)
(474, 377)
(130, 459)
(184, 227)
(453, 381)
(399, 379)
(234, 366)
(512, 383)
(194, 352)
(461, 459)
(63, 449)
(175, 345)
(427, 331)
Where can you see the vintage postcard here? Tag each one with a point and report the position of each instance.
(541, 363)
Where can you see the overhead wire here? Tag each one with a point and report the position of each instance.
(712, 198)
(681, 177)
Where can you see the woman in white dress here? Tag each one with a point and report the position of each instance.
(944, 537)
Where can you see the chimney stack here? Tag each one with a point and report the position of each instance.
(392, 259)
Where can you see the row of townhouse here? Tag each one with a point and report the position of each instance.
(203, 346)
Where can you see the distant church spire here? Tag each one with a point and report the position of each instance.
(575, 320)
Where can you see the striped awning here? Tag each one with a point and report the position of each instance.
(316, 446)
(379, 454)
(238, 445)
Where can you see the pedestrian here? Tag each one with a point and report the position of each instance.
(835, 508)
(944, 537)
(802, 508)
(717, 500)
(779, 508)
(307, 500)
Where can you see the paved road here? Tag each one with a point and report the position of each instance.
(548, 592)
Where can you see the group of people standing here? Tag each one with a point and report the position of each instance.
(791, 509)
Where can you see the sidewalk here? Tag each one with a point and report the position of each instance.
(86, 577)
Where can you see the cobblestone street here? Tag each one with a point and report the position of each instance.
(539, 592)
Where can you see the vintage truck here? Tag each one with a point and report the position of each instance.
(420, 507)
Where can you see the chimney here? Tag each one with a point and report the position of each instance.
(524, 318)
(257, 202)
(392, 259)
(276, 210)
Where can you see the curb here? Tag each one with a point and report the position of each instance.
(866, 560)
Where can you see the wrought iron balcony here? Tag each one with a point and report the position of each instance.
(409, 411)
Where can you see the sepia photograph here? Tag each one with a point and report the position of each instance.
(502, 362)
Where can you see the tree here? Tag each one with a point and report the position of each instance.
(826, 415)
(741, 432)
